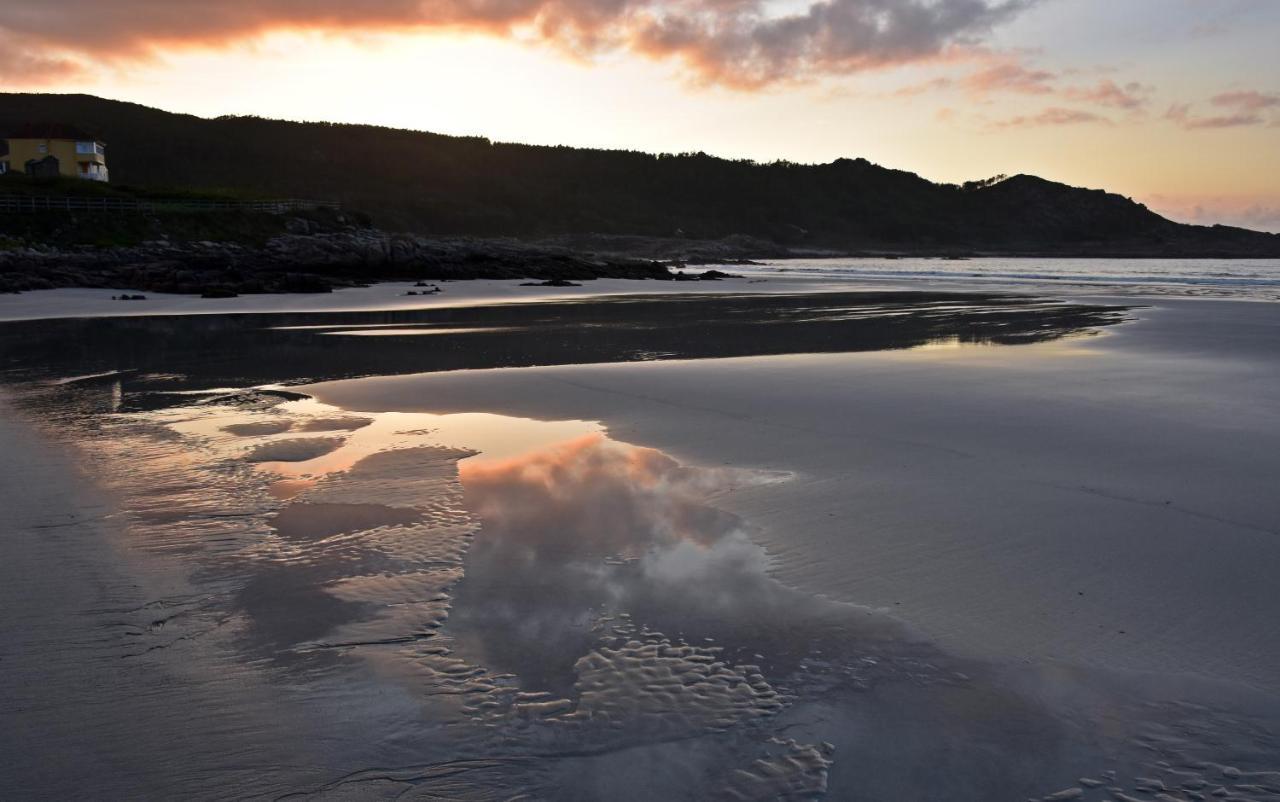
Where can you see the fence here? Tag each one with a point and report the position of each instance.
(35, 203)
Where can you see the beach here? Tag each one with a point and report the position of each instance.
(782, 536)
(1077, 477)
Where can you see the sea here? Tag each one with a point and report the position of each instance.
(1245, 279)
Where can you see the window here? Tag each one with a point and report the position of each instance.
(42, 148)
(85, 147)
(4, 167)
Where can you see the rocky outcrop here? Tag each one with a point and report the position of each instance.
(304, 262)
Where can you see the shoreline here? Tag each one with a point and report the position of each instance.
(36, 305)
(794, 276)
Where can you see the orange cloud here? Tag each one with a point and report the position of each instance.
(21, 64)
(594, 495)
(729, 42)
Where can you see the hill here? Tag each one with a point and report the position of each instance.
(468, 186)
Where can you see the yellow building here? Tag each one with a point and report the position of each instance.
(54, 150)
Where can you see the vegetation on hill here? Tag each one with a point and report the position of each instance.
(16, 183)
(106, 229)
(442, 185)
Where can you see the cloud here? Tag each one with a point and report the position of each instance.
(1004, 73)
(1010, 77)
(19, 64)
(1052, 116)
(1181, 114)
(1241, 109)
(1223, 18)
(1247, 101)
(730, 42)
(933, 85)
(734, 44)
(1131, 96)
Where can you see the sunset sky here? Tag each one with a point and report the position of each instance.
(1175, 103)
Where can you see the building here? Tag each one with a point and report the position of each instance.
(53, 150)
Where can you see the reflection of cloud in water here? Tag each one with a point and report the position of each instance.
(594, 527)
(595, 496)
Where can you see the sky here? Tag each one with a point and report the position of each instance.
(1175, 103)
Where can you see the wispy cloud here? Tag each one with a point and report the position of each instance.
(1009, 74)
(1250, 100)
(1131, 96)
(1239, 109)
(736, 43)
(1010, 77)
(1052, 116)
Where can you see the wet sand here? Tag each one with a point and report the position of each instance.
(1066, 500)
(952, 569)
(392, 295)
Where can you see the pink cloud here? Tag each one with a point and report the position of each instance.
(1107, 93)
(1248, 101)
(1053, 116)
(1242, 109)
(1004, 74)
(1181, 114)
(1010, 77)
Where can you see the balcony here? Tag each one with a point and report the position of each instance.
(92, 171)
(90, 149)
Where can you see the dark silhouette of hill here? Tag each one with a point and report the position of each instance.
(444, 185)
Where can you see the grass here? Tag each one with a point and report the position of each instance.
(100, 229)
(20, 184)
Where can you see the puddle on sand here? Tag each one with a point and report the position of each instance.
(501, 606)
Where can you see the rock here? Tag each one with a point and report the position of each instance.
(314, 262)
(551, 282)
(219, 292)
(297, 225)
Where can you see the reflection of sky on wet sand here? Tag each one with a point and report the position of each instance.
(496, 436)
(591, 528)
(172, 354)
(386, 331)
(597, 603)
(540, 596)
